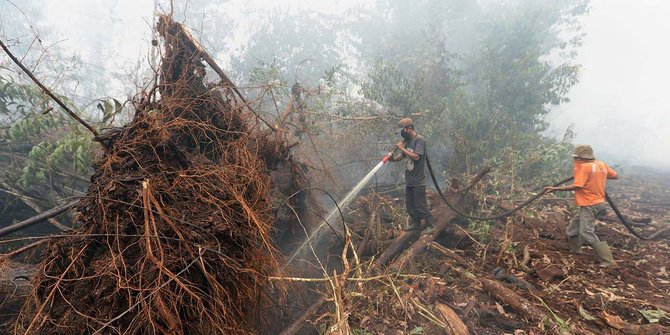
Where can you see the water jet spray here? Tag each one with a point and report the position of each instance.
(343, 204)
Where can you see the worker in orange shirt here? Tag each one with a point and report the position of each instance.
(589, 186)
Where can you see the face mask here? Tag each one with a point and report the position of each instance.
(405, 135)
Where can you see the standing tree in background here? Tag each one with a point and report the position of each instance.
(480, 76)
(514, 78)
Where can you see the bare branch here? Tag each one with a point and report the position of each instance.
(47, 91)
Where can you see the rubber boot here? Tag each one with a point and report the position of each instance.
(430, 226)
(604, 253)
(415, 225)
(575, 244)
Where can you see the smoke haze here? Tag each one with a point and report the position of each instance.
(620, 105)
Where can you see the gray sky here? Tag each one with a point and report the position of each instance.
(128, 24)
(620, 106)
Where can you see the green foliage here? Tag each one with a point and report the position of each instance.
(68, 154)
(537, 160)
(417, 331)
(489, 101)
(479, 78)
(562, 325)
(31, 127)
(654, 315)
(389, 87)
(271, 76)
(510, 75)
(109, 108)
(481, 229)
(511, 85)
(17, 100)
(302, 41)
(53, 148)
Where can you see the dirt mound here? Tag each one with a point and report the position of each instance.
(175, 231)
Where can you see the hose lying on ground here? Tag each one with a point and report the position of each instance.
(486, 218)
(625, 222)
(629, 226)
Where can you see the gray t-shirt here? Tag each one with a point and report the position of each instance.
(415, 171)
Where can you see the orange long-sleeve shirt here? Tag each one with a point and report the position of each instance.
(592, 177)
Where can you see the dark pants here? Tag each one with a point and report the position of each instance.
(417, 206)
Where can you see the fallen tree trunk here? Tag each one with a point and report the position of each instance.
(399, 244)
(443, 215)
(38, 218)
(14, 253)
(476, 179)
(515, 301)
(454, 323)
(460, 260)
(38, 209)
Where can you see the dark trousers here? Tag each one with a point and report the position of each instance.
(417, 206)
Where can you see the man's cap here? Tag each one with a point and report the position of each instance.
(583, 151)
(406, 122)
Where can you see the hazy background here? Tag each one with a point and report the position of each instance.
(619, 106)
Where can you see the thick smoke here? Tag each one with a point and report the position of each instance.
(619, 106)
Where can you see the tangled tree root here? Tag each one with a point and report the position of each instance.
(173, 233)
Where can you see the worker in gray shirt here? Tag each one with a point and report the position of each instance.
(413, 147)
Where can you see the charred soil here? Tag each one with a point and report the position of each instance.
(517, 277)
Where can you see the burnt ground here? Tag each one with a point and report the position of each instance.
(572, 294)
(568, 293)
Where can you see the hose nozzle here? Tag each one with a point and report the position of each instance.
(389, 155)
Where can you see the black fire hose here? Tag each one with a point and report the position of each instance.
(625, 222)
(486, 218)
(629, 226)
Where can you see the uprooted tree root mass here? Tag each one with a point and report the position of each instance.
(174, 232)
